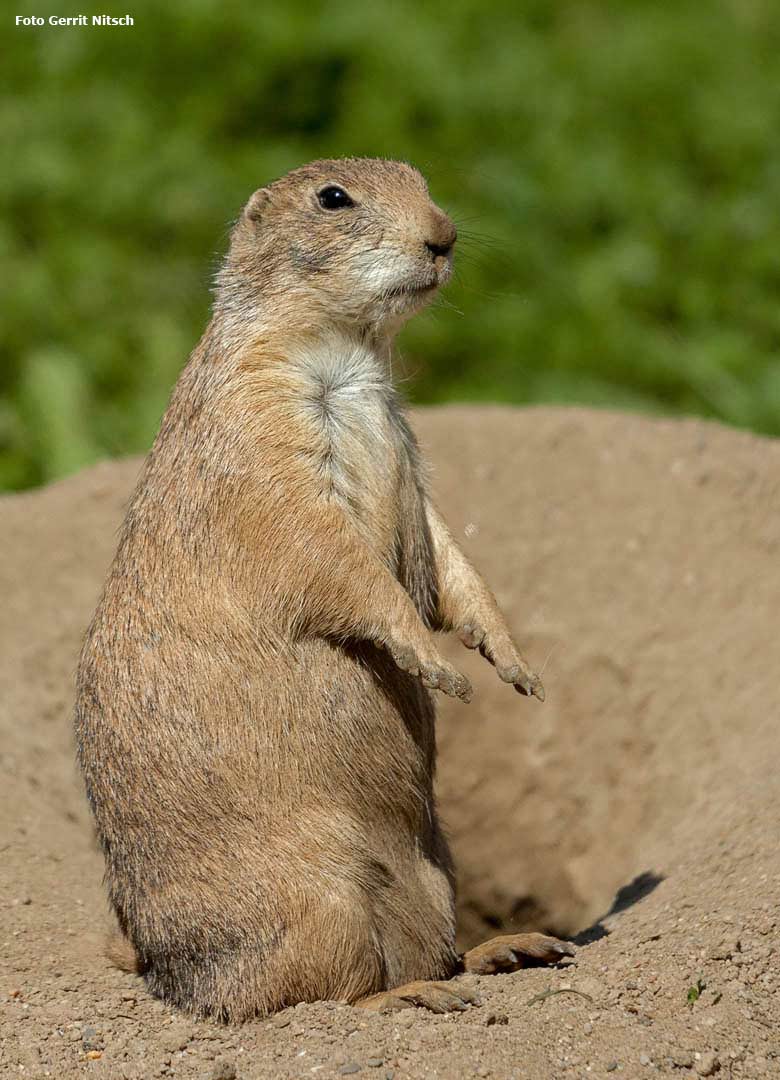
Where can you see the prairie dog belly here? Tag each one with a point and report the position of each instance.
(349, 410)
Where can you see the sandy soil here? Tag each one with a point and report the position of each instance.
(636, 810)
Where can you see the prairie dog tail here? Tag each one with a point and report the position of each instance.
(121, 953)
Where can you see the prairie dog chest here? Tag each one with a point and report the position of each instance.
(350, 419)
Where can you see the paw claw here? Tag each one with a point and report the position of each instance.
(455, 685)
(524, 681)
(463, 689)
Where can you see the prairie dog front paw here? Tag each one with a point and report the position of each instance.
(432, 669)
(500, 650)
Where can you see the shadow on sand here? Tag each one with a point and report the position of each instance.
(636, 890)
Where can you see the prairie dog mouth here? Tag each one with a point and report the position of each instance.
(414, 288)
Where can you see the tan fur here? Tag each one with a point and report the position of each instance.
(121, 953)
(252, 719)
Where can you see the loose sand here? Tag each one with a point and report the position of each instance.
(637, 810)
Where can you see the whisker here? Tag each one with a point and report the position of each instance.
(481, 237)
(442, 301)
(494, 294)
(553, 647)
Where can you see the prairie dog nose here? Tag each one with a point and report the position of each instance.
(442, 236)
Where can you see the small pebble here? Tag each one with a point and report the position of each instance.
(707, 1064)
(223, 1070)
(588, 1029)
(496, 1018)
(644, 1059)
(725, 950)
(612, 1066)
(91, 1038)
(350, 1068)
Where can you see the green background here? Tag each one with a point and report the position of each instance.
(614, 168)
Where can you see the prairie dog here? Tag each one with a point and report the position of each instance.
(253, 718)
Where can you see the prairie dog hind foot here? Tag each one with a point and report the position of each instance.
(437, 997)
(510, 952)
(503, 954)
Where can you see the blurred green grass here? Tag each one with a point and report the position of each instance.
(614, 168)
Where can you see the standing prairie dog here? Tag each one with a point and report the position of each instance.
(253, 716)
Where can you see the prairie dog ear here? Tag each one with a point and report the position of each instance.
(253, 211)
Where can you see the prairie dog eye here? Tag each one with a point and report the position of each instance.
(334, 198)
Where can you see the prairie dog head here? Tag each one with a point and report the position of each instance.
(355, 241)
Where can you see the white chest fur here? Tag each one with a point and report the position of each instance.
(349, 408)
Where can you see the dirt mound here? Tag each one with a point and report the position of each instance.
(638, 809)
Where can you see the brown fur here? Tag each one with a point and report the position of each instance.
(252, 719)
